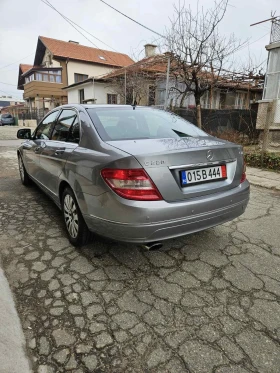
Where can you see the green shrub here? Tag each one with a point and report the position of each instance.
(271, 161)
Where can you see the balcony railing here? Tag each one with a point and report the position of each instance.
(45, 76)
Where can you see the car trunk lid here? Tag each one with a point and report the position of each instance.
(165, 159)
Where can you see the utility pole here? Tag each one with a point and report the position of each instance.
(273, 96)
(167, 83)
(125, 86)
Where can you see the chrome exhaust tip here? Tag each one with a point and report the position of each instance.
(152, 246)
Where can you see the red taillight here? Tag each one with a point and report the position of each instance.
(131, 184)
(243, 176)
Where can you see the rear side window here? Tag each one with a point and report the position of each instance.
(63, 125)
(74, 133)
(140, 123)
(45, 128)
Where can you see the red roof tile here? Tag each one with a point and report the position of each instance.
(154, 64)
(79, 52)
(25, 67)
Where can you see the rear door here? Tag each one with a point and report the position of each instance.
(64, 139)
(33, 148)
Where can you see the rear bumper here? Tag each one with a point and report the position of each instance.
(192, 216)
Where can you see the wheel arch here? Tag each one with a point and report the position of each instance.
(62, 186)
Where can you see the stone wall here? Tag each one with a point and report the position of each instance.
(27, 123)
(269, 114)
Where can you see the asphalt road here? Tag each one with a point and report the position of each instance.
(205, 303)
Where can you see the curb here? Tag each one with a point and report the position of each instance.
(259, 184)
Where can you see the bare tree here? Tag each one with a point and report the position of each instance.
(198, 52)
(134, 83)
(132, 86)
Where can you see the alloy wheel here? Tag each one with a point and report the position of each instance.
(71, 216)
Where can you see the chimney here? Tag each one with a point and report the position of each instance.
(150, 50)
(73, 42)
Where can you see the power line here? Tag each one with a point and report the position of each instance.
(50, 5)
(133, 20)
(247, 45)
(3, 67)
(259, 38)
(14, 85)
(155, 32)
(6, 71)
(261, 63)
(10, 93)
(46, 2)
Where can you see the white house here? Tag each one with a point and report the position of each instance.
(146, 81)
(92, 91)
(58, 64)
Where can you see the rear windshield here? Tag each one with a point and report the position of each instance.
(6, 116)
(140, 123)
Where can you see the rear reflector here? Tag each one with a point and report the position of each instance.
(224, 171)
(132, 184)
(243, 176)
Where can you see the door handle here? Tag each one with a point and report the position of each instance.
(38, 148)
(59, 151)
(27, 146)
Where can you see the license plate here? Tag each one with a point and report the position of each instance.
(203, 175)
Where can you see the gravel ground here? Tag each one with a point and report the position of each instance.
(205, 303)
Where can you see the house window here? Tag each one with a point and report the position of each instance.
(112, 99)
(81, 96)
(204, 102)
(239, 100)
(152, 95)
(38, 76)
(79, 77)
(45, 76)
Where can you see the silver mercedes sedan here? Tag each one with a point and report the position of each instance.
(133, 174)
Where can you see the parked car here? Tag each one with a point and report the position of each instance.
(7, 119)
(133, 174)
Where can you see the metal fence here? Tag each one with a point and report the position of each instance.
(218, 121)
(275, 31)
(37, 114)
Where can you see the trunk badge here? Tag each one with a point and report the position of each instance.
(209, 155)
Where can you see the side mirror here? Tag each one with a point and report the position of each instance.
(24, 133)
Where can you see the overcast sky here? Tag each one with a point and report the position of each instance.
(23, 21)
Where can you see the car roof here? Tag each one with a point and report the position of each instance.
(95, 106)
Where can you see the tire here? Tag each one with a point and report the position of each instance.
(24, 177)
(78, 232)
